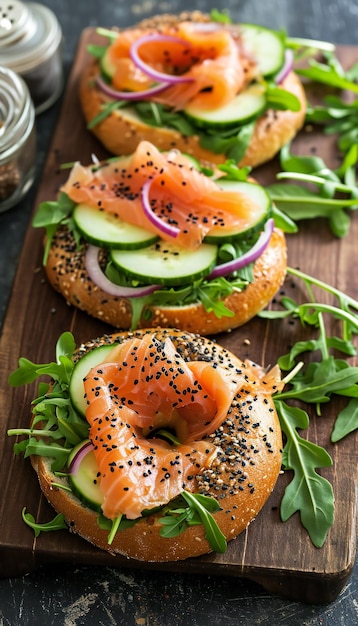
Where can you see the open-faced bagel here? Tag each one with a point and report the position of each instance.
(240, 476)
(122, 130)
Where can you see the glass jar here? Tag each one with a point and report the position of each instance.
(17, 139)
(31, 45)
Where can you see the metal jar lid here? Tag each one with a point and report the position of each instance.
(29, 34)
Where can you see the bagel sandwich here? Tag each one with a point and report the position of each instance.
(211, 89)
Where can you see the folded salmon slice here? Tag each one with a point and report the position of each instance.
(145, 385)
(180, 194)
(212, 61)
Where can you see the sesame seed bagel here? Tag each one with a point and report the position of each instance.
(240, 476)
(66, 271)
(122, 130)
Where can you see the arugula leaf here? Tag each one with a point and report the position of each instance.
(233, 143)
(50, 215)
(300, 202)
(65, 347)
(220, 16)
(199, 510)
(58, 523)
(320, 380)
(311, 45)
(96, 51)
(308, 492)
(60, 426)
(328, 74)
(204, 506)
(159, 115)
(232, 171)
(335, 114)
(346, 421)
(107, 32)
(106, 110)
(315, 383)
(281, 99)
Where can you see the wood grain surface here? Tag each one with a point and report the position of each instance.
(278, 555)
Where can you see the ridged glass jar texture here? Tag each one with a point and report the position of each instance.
(17, 139)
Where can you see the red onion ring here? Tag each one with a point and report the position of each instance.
(165, 228)
(149, 71)
(286, 68)
(79, 456)
(251, 255)
(129, 95)
(95, 273)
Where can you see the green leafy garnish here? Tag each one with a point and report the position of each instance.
(198, 510)
(281, 99)
(61, 428)
(160, 115)
(336, 115)
(220, 16)
(336, 190)
(233, 142)
(106, 110)
(309, 46)
(330, 73)
(315, 383)
(308, 492)
(58, 523)
(51, 214)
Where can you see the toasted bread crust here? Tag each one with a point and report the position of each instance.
(240, 506)
(122, 130)
(67, 273)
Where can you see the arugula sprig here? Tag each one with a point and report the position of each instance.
(51, 214)
(334, 193)
(57, 523)
(309, 492)
(330, 72)
(337, 115)
(56, 426)
(191, 509)
(314, 383)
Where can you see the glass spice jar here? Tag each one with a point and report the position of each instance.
(31, 45)
(17, 139)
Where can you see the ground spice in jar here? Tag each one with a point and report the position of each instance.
(9, 180)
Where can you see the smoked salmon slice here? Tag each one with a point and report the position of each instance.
(213, 63)
(144, 385)
(180, 194)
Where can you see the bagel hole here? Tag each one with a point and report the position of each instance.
(167, 434)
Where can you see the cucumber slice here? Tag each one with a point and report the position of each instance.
(108, 68)
(80, 371)
(245, 106)
(165, 263)
(266, 47)
(261, 211)
(84, 483)
(107, 230)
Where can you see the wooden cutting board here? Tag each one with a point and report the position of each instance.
(278, 555)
